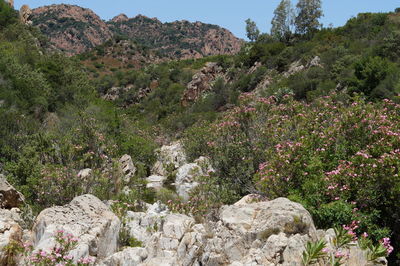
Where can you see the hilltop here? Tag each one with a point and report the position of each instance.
(74, 30)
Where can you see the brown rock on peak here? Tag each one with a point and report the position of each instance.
(120, 18)
(71, 28)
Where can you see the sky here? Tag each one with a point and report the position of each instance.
(229, 14)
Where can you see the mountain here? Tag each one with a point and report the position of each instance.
(181, 39)
(73, 30)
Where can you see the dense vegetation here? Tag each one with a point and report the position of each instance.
(53, 123)
(326, 136)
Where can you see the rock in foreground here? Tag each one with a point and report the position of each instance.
(88, 219)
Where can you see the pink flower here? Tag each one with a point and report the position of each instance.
(339, 254)
(386, 243)
(325, 250)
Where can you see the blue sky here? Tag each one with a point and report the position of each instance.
(230, 14)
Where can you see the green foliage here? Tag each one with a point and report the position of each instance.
(252, 31)
(313, 252)
(206, 198)
(297, 226)
(369, 72)
(7, 14)
(282, 21)
(342, 237)
(308, 14)
(264, 235)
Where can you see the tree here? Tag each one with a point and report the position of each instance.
(7, 14)
(282, 21)
(252, 30)
(308, 14)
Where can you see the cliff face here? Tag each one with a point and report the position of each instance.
(179, 39)
(74, 30)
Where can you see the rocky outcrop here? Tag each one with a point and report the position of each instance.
(127, 257)
(155, 181)
(186, 179)
(178, 39)
(172, 162)
(135, 96)
(10, 232)
(297, 67)
(71, 29)
(251, 232)
(201, 82)
(169, 156)
(85, 217)
(25, 15)
(74, 30)
(9, 196)
(120, 18)
(127, 168)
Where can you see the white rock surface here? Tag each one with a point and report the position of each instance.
(87, 218)
(169, 155)
(127, 257)
(127, 167)
(10, 230)
(155, 181)
(186, 179)
(84, 173)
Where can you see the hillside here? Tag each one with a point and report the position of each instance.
(179, 39)
(74, 30)
(71, 29)
(122, 154)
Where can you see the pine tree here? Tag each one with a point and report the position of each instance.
(308, 14)
(282, 21)
(252, 30)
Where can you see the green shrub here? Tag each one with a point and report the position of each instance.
(264, 235)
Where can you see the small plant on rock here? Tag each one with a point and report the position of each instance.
(296, 227)
(59, 255)
(264, 235)
(314, 252)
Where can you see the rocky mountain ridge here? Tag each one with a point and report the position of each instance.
(73, 30)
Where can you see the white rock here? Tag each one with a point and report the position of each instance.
(85, 217)
(169, 155)
(155, 181)
(161, 261)
(127, 257)
(257, 217)
(127, 167)
(85, 173)
(10, 230)
(175, 225)
(186, 179)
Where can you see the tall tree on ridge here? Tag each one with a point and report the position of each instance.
(308, 14)
(252, 30)
(282, 21)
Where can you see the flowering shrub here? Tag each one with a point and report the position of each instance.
(59, 185)
(59, 255)
(344, 238)
(337, 156)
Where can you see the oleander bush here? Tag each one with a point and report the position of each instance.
(337, 156)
